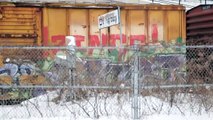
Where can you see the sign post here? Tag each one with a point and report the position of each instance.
(109, 19)
(120, 25)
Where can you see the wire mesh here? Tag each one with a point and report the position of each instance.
(176, 80)
(96, 82)
(40, 81)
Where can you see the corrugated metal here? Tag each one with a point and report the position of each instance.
(200, 21)
(143, 23)
(20, 26)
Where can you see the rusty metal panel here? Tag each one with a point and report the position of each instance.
(38, 26)
(144, 24)
(20, 26)
(183, 27)
(156, 26)
(174, 23)
(55, 27)
(115, 31)
(137, 22)
(79, 25)
(95, 38)
(13, 42)
(200, 22)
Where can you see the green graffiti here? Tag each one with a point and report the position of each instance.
(116, 54)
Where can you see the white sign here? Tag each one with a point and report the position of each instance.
(108, 19)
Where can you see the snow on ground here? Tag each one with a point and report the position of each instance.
(113, 107)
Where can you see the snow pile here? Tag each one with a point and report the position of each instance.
(105, 107)
(42, 107)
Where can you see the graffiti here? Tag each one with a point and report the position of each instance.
(58, 40)
(94, 40)
(141, 38)
(154, 33)
(20, 72)
(106, 40)
(18, 68)
(115, 37)
(79, 39)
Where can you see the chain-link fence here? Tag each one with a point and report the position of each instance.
(110, 82)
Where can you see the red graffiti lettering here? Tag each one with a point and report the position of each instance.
(115, 37)
(94, 40)
(79, 39)
(154, 33)
(141, 38)
(104, 40)
(58, 40)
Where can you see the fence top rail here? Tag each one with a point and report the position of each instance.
(200, 46)
(109, 87)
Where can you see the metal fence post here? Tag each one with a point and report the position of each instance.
(72, 60)
(135, 85)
